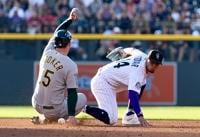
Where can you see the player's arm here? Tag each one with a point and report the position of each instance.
(136, 77)
(140, 95)
(72, 86)
(64, 25)
(71, 102)
(128, 51)
(134, 101)
(141, 91)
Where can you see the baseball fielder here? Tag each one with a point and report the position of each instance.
(55, 94)
(124, 73)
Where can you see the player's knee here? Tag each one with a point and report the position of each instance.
(33, 102)
(82, 99)
(113, 119)
(81, 102)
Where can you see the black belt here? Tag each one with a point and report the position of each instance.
(48, 107)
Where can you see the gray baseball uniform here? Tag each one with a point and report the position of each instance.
(57, 73)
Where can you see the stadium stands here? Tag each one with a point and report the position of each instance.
(108, 16)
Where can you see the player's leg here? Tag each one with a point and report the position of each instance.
(45, 115)
(106, 100)
(59, 111)
(97, 113)
(81, 102)
(106, 110)
(40, 119)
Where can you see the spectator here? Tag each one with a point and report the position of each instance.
(39, 3)
(17, 23)
(118, 8)
(32, 10)
(175, 16)
(105, 14)
(61, 11)
(49, 21)
(140, 23)
(34, 22)
(130, 8)
(95, 6)
(99, 16)
(4, 22)
(169, 26)
(16, 10)
(125, 22)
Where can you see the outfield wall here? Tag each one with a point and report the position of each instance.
(188, 84)
(157, 92)
(17, 84)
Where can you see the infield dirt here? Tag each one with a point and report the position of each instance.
(94, 128)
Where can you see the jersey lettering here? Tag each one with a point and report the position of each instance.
(136, 61)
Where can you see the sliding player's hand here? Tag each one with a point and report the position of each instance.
(74, 14)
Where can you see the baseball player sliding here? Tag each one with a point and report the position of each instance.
(55, 94)
(128, 71)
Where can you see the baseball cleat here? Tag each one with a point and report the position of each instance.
(35, 120)
(84, 108)
(40, 120)
(130, 119)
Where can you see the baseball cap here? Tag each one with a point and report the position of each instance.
(155, 56)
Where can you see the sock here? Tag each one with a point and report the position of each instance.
(130, 107)
(98, 113)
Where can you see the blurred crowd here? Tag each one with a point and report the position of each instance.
(108, 17)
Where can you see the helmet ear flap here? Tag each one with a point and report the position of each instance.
(62, 38)
(60, 44)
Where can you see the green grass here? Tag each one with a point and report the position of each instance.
(161, 112)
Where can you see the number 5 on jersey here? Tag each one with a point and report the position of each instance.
(47, 78)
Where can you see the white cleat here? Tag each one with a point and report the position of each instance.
(84, 109)
(130, 119)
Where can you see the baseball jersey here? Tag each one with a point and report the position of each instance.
(128, 73)
(57, 73)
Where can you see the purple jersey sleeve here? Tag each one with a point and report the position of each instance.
(134, 101)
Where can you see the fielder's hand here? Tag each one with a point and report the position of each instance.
(116, 54)
(143, 122)
(74, 14)
(72, 121)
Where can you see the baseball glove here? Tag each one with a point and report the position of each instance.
(116, 54)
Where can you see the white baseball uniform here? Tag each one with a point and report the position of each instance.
(117, 76)
(57, 73)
